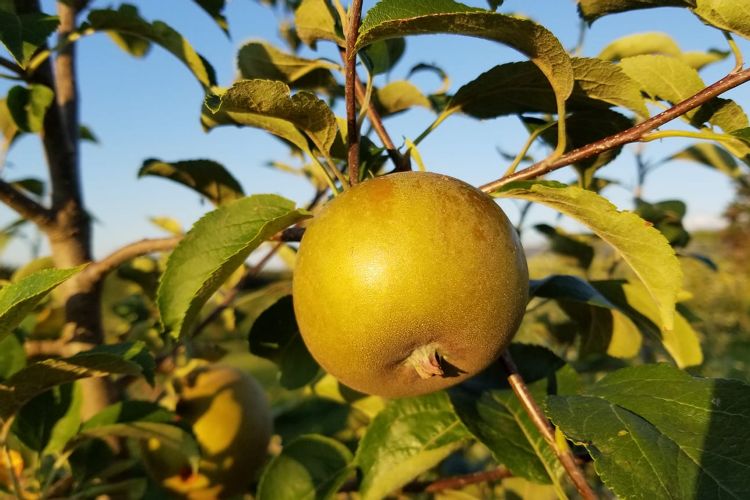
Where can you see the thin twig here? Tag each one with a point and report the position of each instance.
(457, 482)
(632, 134)
(350, 75)
(540, 421)
(25, 206)
(8, 64)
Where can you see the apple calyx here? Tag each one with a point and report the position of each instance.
(426, 361)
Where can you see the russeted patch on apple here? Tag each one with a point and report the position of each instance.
(409, 283)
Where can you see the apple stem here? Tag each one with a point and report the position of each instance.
(426, 361)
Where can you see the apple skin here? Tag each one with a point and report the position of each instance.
(409, 283)
(229, 414)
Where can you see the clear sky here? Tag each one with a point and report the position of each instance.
(144, 108)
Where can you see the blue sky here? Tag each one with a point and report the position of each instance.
(143, 108)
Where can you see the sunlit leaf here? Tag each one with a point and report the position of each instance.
(398, 96)
(408, 437)
(591, 10)
(644, 248)
(259, 60)
(28, 106)
(127, 21)
(19, 299)
(312, 467)
(212, 250)
(391, 18)
(712, 156)
(207, 177)
(728, 15)
(316, 20)
(656, 432)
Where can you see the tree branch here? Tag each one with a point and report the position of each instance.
(12, 66)
(25, 206)
(457, 482)
(350, 75)
(540, 421)
(99, 269)
(632, 134)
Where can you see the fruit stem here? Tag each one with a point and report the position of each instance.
(426, 361)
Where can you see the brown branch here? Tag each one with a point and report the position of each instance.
(25, 206)
(350, 75)
(540, 421)
(632, 134)
(10, 65)
(99, 269)
(456, 482)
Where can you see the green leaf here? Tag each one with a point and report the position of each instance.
(129, 411)
(260, 60)
(681, 341)
(656, 432)
(591, 10)
(12, 356)
(316, 20)
(712, 156)
(639, 44)
(560, 286)
(207, 177)
(516, 88)
(127, 21)
(398, 96)
(212, 250)
(31, 185)
(49, 420)
(23, 35)
(381, 57)
(18, 299)
(408, 437)
(268, 105)
(666, 216)
(36, 378)
(275, 336)
(310, 467)
(86, 134)
(673, 80)
(496, 418)
(644, 248)
(395, 18)
(215, 9)
(310, 415)
(728, 15)
(8, 126)
(28, 105)
(698, 59)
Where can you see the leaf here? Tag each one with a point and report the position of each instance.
(268, 105)
(207, 177)
(516, 88)
(49, 420)
(18, 299)
(28, 106)
(656, 432)
(259, 60)
(728, 15)
(310, 467)
(86, 134)
(672, 80)
(129, 411)
(560, 286)
(395, 18)
(215, 9)
(316, 20)
(36, 378)
(497, 419)
(31, 185)
(644, 248)
(127, 21)
(398, 96)
(712, 156)
(8, 126)
(408, 437)
(640, 44)
(211, 251)
(681, 341)
(318, 415)
(591, 10)
(381, 57)
(275, 336)
(12, 356)
(698, 59)
(24, 34)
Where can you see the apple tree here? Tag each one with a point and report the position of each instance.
(104, 362)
